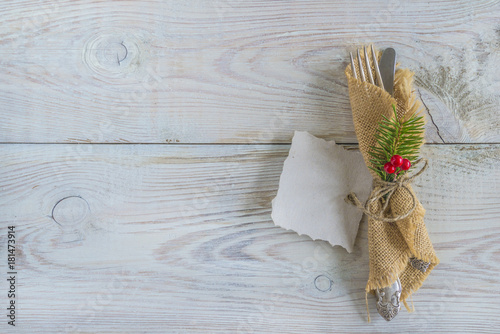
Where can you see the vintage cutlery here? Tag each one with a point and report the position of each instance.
(388, 298)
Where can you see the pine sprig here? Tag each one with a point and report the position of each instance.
(396, 137)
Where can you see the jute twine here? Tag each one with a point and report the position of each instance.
(384, 190)
(396, 228)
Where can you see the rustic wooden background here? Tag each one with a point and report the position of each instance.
(142, 143)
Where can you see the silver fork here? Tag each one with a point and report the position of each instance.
(380, 83)
(388, 298)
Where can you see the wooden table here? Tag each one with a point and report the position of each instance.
(143, 141)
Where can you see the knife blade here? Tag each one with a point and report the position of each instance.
(387, 67)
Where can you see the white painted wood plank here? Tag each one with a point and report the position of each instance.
(230, 71)
(159, 238)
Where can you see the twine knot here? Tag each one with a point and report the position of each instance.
(385, 190)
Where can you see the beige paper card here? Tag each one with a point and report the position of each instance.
(316, 177)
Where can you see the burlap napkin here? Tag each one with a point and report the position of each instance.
(394, 245)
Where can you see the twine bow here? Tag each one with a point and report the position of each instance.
(385, 190)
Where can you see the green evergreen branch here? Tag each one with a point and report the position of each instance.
(396, 137)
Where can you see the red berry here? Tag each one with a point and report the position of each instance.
(396, 160)
(389, 168)
(406, 164)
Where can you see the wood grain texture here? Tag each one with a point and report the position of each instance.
(231, 71)
(122, 237)
(178, 238)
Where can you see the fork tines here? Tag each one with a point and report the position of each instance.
(368, 67)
